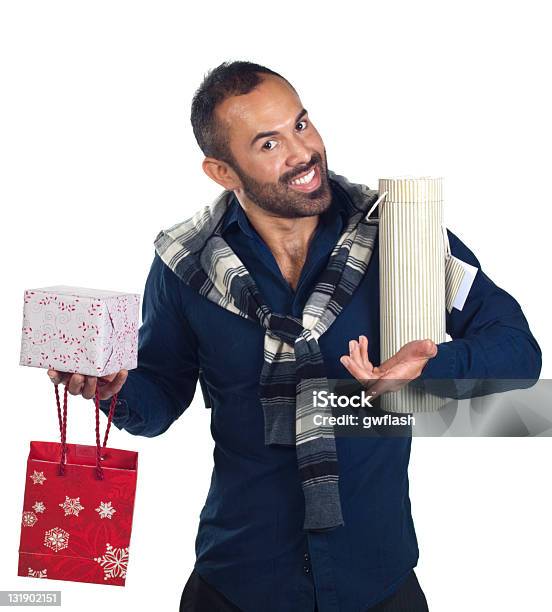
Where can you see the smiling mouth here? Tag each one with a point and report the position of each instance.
(308, 181)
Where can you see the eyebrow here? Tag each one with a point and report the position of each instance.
(275, 133)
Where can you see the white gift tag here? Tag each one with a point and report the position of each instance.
(459, 277)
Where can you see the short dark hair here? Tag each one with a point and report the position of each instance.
(227, 80)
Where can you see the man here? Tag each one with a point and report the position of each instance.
(277, 223)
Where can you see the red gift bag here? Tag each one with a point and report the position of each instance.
(77, 509)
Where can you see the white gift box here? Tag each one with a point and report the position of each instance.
(79, 330)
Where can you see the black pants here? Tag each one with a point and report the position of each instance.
(199, 596)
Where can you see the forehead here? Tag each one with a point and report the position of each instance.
(270, 106)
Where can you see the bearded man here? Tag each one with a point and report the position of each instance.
(274, 284)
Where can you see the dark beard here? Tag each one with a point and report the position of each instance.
(282, 200)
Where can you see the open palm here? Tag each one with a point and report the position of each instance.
(405, 365)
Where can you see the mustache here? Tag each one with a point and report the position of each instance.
(315, 159)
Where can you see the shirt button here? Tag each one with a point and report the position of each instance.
(306, 556)
(307, 569)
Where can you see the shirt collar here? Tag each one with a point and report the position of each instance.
(335, 217)
(236, 217)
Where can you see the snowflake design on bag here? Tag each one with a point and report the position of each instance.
(114, 562)
(37, 573)
(29, 519)
(57, 539)
(37, 477)
(106, 510)
(39, 507)
(71, 505)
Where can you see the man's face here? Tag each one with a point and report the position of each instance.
(273, 143)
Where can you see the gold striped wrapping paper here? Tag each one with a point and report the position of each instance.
(412, 276)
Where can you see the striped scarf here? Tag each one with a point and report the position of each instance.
(293, 364)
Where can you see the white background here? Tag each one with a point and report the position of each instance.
(97, 155)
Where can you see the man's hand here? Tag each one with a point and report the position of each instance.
(78, 384)
(357, 362)
(404, 366)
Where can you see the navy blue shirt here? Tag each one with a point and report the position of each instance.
(250, 545)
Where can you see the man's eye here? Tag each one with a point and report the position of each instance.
(268, 142)
(302, 123)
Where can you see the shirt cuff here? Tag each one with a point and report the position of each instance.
(440, 374)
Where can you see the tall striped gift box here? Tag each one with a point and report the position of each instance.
(412, 276)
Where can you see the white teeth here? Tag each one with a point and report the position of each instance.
(306, 179)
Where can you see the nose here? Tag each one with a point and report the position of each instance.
(298, 152)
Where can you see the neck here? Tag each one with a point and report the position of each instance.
(284, 237)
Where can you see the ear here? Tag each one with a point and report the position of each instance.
(221, 173)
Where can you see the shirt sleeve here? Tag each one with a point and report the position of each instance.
(163, 385)
(491, 338)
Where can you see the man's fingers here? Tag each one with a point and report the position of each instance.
(417, 349)
(351, 366)
(89, 388)
(108, 390)
(358, 351)
(107, 379)
(76, 383)
(86, 385)
(360, 373)
(363, 347)
(427, 349)
(59, 378)
(354, 353)
(119, 381)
